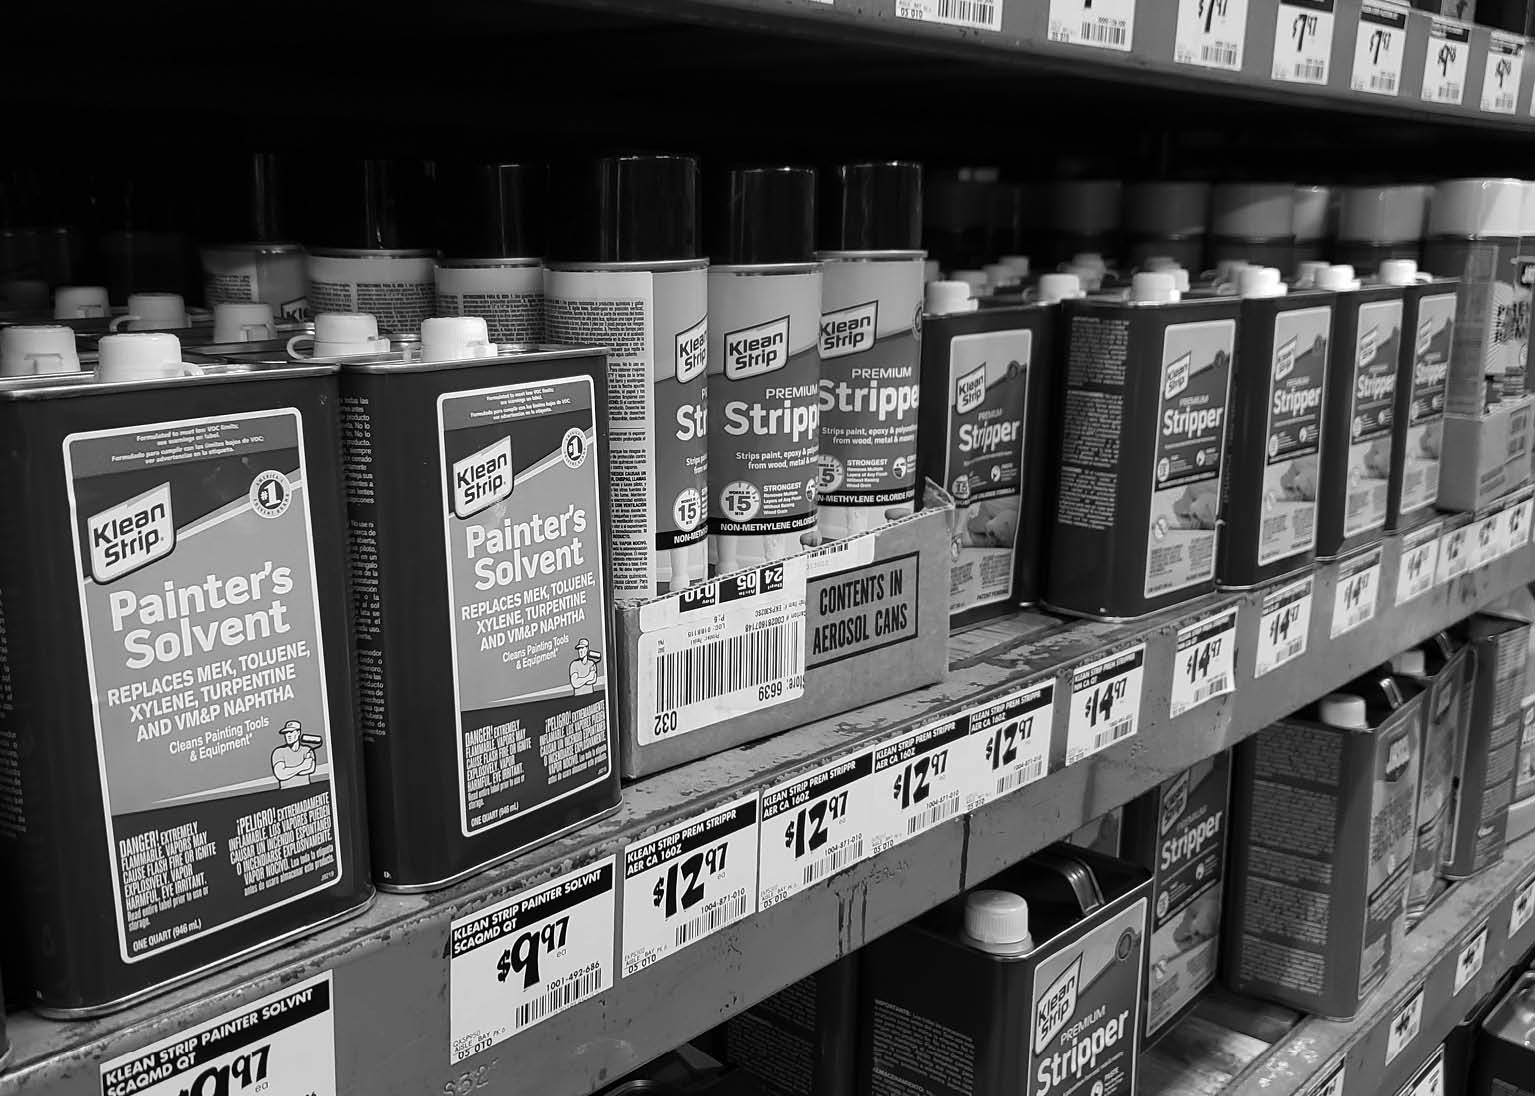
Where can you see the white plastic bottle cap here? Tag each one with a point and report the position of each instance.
(997, 921)
(1343, 710)
(141, 356)
(1154, 287)
(29, 350)
(243, 321)
(1018, 264)
(1410, 663)
(1339, 277)
(1180, 277)
(975, 279)
(1306, 273)
(1398, 272)
(1309, 219)
(1261, 281)
(449, 338)
(1089, 278)
(1058, 287)
(81, 302)
(1092, 260)
(153, 312)
(944, 298)
(1489, 208)
(999, 274)
(1161, 262)
(930, 270)
(1228, 270)
(343, 334)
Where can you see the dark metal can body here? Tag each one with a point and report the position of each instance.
(179, 614)
(1505, 1046)
(1422, 389)
(477, 496)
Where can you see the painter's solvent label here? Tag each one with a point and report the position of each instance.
(522, 525)
(654, 324)
(508, 294)
(195, 556)
(1369, 450)
(1425, 413)
(1296, 385)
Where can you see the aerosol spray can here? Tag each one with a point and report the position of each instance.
(628, 276)
(492, 242)
(871, 349)
(764, 369)
(264, 266)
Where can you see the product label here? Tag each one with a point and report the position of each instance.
(988, 417)
(925, 776)
(1445, 63)
(1086, 1013)
(1405, 1025)
(1105, 702)
(235, 275)
(981, 14)
(281, 1045)
(1517, 528)
(1370, 410)
(860, 610)
(1419, 563)
(1524, 772)
(1358, 592)
(1106, 24)
(1393, 837)
(1469, 963)
(1482, 541)
(1211, 33)
(689, 882)
(198, 600)
(526, 958)
(1492, 321)
(1500, 79)
(1302, 41)
(1380, 42)
(1010, 742)
(1186, 464)
(815, 826)
(1205, 664)
(522, 528)
(1442, 721)
(654, 327)
(1284, 625)
(509, 298)
(1425, 413)
(1454, 554)
(397, 291)
(1297, 384)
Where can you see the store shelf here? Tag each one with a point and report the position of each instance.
(392, 987)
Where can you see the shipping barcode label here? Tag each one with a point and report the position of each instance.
(1523, 907)
(1302, 41)
(1354, 601)
(842, 555)
(1105, 702)
(981, 14)
(1211, 33)
(1501, 77)
(1205, 664)
(1380, 41)
(1331, 1083)
(688, 881)
(514, 964)
(1405, 1025)
(814, 826)
(1469, 964)
(1454, 554)
(1106, 24)
(1009, 742)
(1445, 64)
(1284, 626)
(921, 779)
(1419, 564)
(720, 650)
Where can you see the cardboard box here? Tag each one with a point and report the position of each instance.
(1487, 456)
(748, 655)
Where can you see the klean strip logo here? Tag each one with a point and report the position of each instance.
(1188, 845)
(1177, 376)
(970, 390)
(1398, 757)
(1058, 1006)
(483, 479)
(1367, 342)
(753, 351)
(131, 535)
(693, 351)
(1284, 359)
(1175, 800)
(849, 330)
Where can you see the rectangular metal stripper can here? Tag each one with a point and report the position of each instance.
(1422, 383)
(478, 494)
(181, 785)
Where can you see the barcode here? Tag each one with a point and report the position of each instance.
(1225, 56)
(1221, 683)
(1313, 71)
(1108, 32)
(817, 870)
(1449, 93)
(721, 914)
(1383, 81)
(728, 664)
(944, 808)
(561, 996)
(981, 12)
(1288, 651)
(1503, 101)
(1123, 729)
(1008, 782)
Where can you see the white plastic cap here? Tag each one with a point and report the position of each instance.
(1058, 287)
(1398, 272)
(243, 321)
(1161, 262)
(943, 298)
(1154, 287)
(1092, 260)
(77, 302)
(975, 279)
(1180, 277)
(1343, 710)
(1018, 264)
(1306, 273)
(151, 311)
(138, 356)
(998, 274)
(997, 921)
(1410, 663)
(1338, 277)
(29, 350)
(448, 338)
(1227, 270)
(344, 329)
(1261, 281)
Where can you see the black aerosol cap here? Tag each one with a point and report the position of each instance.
(628, 209)
(493, 211)
(881, 207)
(771, 216)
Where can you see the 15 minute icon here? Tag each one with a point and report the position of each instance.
(808, 829)
(682, 886)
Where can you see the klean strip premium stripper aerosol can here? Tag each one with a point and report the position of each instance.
(1356, 425)
(628, 277)
(764, 370)
(1142, 450)
(492, 239)
(484, 633)
(1428, 329)
(984, 399)
(1269, 491)
(871, 349)
(179, 781)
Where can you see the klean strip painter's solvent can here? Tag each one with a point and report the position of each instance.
(1166, 219)
(1143, 444)
(484, 635)
(1356, 424)
(764, 369)
(1253, 222)
(1428, 329)
(871, 349)
(1269, 491)
(1376, 223)
(492, 243)
(626, 275)
(178, 766)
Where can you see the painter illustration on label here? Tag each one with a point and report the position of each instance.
(1425, 416)
(508, 296)
(1369, 449)
(989, 395)
(1296, 384)
(1191, 442)
(1393, 837)
(201, 616)
(522, 525)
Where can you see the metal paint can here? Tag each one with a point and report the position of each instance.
(1422, 383)
(1446, 684)
(261, 273)
(397, 286)
(491, 237)
(1378, 223)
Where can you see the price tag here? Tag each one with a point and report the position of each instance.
(1516, 526)
(1285, 626)
(1105, 702)
(1444, 66)
(1505, 68)
(814, 826)
(281, 1045)
(1484, 540)
(1419, 564)
(1472, 956)
(1358, 592)
(1210, 33)
(1379, 44)
(1524, 905)
(981, 14)
(1303, 41)
(528, 957)
(688, 882)
(1331, 1083)
(1107, 24)
(1429, 1079)
(1010, 742)
(923, 778)
(1205, 665)
(1405, 1025)
(1454, 554)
